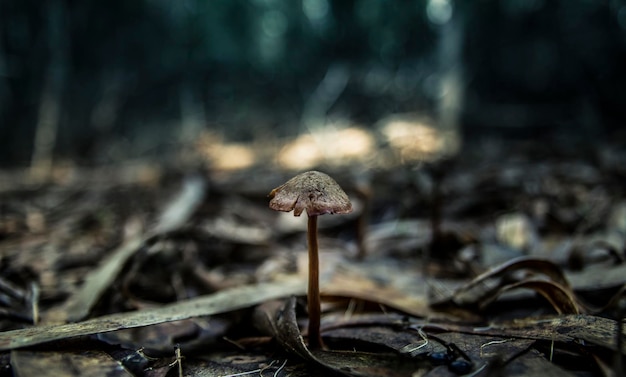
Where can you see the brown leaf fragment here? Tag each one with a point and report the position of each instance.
(314, 191)
(353, 285)
(282, 322)
(581, 329)
(248, 364)
(80, 304)
(176, 213)
(491, 354)
(65, 363)
(220, 302)
(532, 363)
(189, 334)
(278, 319)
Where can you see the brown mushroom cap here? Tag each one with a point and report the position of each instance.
(314, 191)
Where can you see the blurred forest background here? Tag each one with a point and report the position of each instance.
(104, 81)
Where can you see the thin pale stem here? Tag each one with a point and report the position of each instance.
(314, 303)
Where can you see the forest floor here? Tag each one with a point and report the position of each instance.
(508, 261)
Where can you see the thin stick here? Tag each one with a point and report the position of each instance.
(365, 193)
(314, 304)
(34, 301)
(179, 360)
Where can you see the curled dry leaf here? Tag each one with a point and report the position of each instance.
(561, 298)
(486, 287)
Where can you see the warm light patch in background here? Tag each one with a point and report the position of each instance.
(414, 139)
(327, 146)
(401, 139)
(226, 156)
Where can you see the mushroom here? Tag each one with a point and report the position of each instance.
(319, 194)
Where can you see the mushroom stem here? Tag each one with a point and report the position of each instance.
(318, 194)
(314, 303)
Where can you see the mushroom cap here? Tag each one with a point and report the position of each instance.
(314, 191)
